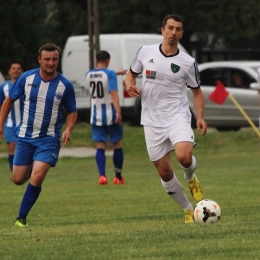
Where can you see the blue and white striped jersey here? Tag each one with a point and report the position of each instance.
(14, 117)
(43, 103)
(100, 82)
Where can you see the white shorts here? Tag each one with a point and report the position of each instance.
(161, 140)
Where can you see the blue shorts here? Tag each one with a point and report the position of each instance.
(102, 133)
(10, 134)
(40, 149)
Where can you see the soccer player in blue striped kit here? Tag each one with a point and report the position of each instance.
(46, 92)
(106, 119)
(14, 117)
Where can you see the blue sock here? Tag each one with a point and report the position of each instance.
(118, 158)
(101, 161)
(29, 198)
(11, 161)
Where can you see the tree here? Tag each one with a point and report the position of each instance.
(30, 23)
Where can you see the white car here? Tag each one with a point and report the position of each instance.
(241, 80)
(2, 79)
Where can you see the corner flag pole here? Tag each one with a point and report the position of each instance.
(244, 114)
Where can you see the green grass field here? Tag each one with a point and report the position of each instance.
(76, 218)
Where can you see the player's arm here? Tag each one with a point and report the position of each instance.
(115, 100)
(71, 121)
(121, 72)
(130, 84)
(4, 112)
(198, 100)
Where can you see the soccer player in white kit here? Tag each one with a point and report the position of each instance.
(167, 72)
(45, 93)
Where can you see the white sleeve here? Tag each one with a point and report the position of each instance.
(137, 66)
(193, 76)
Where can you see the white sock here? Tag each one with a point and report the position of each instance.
(189, 172)
(175, 190)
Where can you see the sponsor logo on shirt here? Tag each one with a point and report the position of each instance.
(150, 74)
(31, 85)
(151, 61)
(175, 68)
(58, 96)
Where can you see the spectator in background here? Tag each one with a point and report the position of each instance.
(238, 80)
(106, 119)
(14, 117)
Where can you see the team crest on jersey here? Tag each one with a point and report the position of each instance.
(175, 68)
(58, 96)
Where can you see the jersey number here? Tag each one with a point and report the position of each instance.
(97, 89)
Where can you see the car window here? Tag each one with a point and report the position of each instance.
(209, 77)
(239, 78)
(230, 77)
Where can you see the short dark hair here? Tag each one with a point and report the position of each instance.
(48, 47)
(15, 62)
(102, 56)
(175, 17)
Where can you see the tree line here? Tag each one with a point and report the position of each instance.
(28, 24)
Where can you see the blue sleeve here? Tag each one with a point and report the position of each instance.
(70, 100)
(2, 95)
(17, 89)
(112, 80)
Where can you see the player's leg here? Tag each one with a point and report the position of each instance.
(99, 136)
(116, 135)
(101, 162)
(45, 155)
(32, 191)
(159, 147)
(183, 151)
(182, 137)
(10, 138)
(11, 149)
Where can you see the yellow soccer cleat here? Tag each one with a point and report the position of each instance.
(188, 216)
(195, 189)
(21, 223)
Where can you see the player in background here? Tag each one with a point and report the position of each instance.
(14, 117)
(167, 72)
(46, 92)
(106, 119)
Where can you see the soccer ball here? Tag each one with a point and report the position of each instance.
(207, 211)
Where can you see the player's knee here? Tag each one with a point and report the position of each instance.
(185, 161)
(18, 181)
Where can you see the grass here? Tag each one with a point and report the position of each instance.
(75, 218)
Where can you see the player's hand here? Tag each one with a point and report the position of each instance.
(65, 137)
(202, 125)
(118, 119)
(134, 91)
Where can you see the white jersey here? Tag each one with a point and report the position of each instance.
(164, 86)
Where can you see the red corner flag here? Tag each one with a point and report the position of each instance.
(220, 93)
